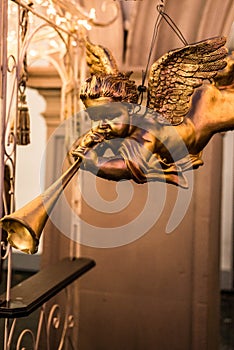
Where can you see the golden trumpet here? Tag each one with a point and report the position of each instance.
(25, 225)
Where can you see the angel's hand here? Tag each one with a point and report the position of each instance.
(91, 139)
(88, 155)
(87, 147)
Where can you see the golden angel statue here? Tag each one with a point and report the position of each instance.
(184, 109)
(159, 142)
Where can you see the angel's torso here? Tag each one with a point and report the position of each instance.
(167, 142)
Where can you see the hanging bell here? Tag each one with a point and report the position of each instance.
(23, 122)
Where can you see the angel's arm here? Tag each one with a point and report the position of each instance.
(129, 160)
(111, 168)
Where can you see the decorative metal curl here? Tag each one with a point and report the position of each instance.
(10, 68)
(46, 321)
(22, 335)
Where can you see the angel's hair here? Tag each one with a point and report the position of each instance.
(115, 86)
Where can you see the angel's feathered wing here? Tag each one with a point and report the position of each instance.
(225, 78)
(100, 59)
(175, 75)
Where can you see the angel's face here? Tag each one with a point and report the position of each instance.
(111, 119)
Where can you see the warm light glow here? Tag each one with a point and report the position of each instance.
(67, 17)
(51, 11)
(43, 42)
(54, 44)
(84, 23)
(33, 53)
(58, 20)
(92, 13)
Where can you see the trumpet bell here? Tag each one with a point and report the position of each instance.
(20, 235)
(25, 226)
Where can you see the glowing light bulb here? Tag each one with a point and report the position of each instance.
(51, 11)
(58, 20)
(33, 53)
(92, 13)
(54, 43)
(68, 16)
(85, 24)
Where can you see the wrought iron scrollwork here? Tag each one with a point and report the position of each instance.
(41, 326)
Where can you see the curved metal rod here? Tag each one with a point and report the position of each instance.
(30, 37)
(72, 8)
(21, 336)
(44, 18)
(112, 20)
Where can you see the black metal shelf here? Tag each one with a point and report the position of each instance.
(33, 292)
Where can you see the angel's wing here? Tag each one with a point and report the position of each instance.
(225, 78)
(100, 59)
(175, 75)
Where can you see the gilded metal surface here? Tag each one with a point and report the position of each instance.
(173, 77)
(225, 78)
(25, 225)
(145, 145)
(100, 59)
(180, 118)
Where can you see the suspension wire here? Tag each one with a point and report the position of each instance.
(172, 24)
(142, 87)
(161, 15)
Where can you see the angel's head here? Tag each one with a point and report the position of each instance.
(102, 88)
